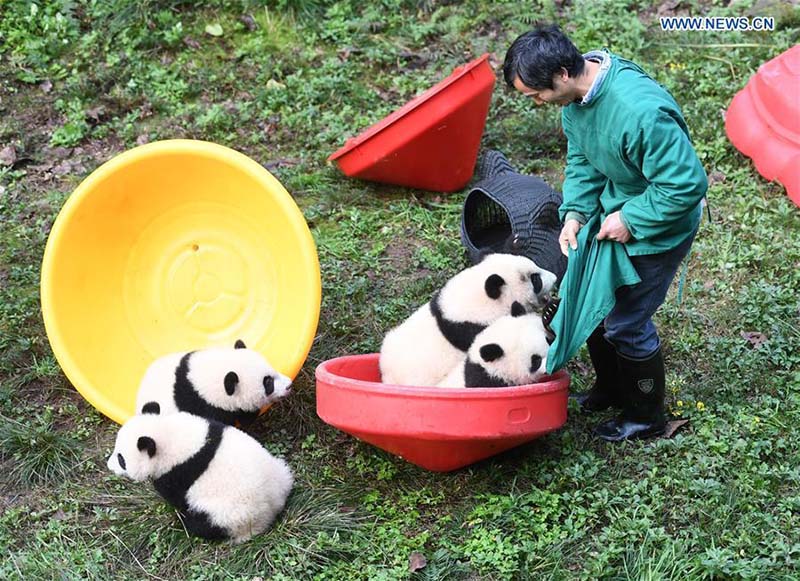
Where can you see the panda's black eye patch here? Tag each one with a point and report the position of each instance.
(536, 363)
(494, 286)
(147, 444)
(231, 380)
(121, 460)
(491, 352)
(536, 279)
(269, 384)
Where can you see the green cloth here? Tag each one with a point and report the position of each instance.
(594, 272)
(629, 149)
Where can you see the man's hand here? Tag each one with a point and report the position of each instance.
(614, 228)
(569, 235)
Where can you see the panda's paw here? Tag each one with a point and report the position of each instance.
(549, 312)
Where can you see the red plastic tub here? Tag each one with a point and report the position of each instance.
(763, 121)
(431, 143)
(438, 429)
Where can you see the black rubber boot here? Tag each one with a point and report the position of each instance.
(643, 414)
(604, 393)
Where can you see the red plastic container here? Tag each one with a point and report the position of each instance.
(763, 121)
(438, 429)
(431, 143)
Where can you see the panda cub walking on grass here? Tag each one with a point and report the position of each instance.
(224, 384)
(223, 483)
(435, 338)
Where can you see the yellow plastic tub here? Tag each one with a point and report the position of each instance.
(173, 246)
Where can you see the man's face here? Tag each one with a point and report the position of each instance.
(562, 93)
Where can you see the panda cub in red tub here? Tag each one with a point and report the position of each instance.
(510, 351)
(223, 483)
(230, 385)
(427, 346)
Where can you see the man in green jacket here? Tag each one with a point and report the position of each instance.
(630, 160)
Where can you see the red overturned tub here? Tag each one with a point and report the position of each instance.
(436, 428)
(430, 143)
(763, 121)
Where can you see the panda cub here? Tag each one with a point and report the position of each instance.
(224, 484)
(511, 351)
(223, 384)
(433, 340)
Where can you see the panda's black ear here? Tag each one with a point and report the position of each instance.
(231, 381)
(147, 443)
(491, 352)
(239, 344)
(494, 285)
(536, 363)
(517, 310)
(151, 407)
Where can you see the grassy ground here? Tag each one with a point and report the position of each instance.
(286, 83)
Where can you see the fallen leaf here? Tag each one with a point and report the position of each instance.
(46, 86)
(63, 168)
(673, 427)
(668, 7)
(8, 156)
(272, 84)
(755, 338)
(42, 168)
(416, 561)
(214, 29)
(60, 152)
(190, 42)
(716, 177)
(142, 139)
(413, 60)
(249, 22)
(288, 162)
(96, 113)
(582, 367)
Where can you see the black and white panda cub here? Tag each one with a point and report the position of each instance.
(433, 340)
(510, 351)
(223, 384)
(224, 484)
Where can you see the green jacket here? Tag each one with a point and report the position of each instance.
(629, 149)
(595, 271)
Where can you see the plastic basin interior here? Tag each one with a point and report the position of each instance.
(173, 246)
(436, 428)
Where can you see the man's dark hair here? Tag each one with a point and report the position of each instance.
(538, 55)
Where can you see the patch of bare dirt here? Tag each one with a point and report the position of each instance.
(400, 255)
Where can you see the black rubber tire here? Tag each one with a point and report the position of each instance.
(492, 163)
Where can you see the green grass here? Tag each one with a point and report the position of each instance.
(287, 82)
